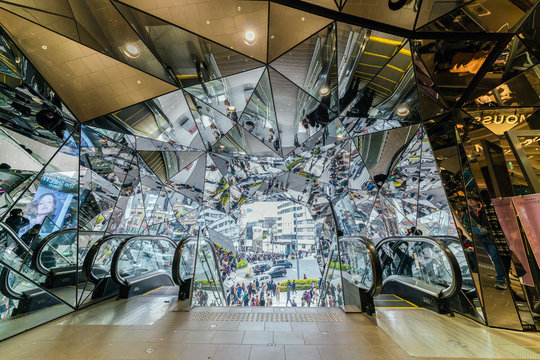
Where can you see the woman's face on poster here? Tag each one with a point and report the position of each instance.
(45, 205)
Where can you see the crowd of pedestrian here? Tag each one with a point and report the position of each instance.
(271, 293)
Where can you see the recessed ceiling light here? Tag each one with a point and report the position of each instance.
(207, 22)
(324, 90)
(44, 47)
(131, 51)
(402, 111)
(249, 37)
(139, 82)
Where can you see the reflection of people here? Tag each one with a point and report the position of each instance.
(413, 231)
(460, 57)
(51, 121)
(16, 220)
(478, 225)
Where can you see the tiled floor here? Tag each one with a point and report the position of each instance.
(112, 331)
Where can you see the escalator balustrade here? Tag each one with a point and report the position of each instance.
(57, 258)
(196, 271)
(97, 265)
(15, 255)
(143, 263)
(420, 269)
(361, 276)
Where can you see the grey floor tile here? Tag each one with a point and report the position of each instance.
(302, 352)
(258, 337)
(230, 352)
(278, 326)
(228, 337)
(264, 352)
(288, 338)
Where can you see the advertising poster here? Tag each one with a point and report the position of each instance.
(54, 205)
(528, 209)
(507, 219)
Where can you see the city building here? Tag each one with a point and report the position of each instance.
(295, 229)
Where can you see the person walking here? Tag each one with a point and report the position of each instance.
(278, 291)
(288, 296)
(294, 286)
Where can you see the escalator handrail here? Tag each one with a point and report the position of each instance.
(36, 257)
(178, 257)
(177, 261)
(377, 283)
(115, 274)
(457, 280)
(5, 287)
(447, 238)
(15, 237)
(89, 259)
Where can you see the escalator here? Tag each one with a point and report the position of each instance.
(15, 257)
(57, 257)
(358, 269)
(197, 272)
(142, 263)
(97, 265)
(421, 270)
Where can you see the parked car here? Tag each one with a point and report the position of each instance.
(260, 268)
(277, 271)
(264, 279)
(283, 262)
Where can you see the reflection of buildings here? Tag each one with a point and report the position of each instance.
(294, 225)
(260, 234)
(221, 223)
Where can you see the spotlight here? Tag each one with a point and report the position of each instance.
(131, 51)
(402, 111)
(249, 37)
(324, 90)
(231, 108)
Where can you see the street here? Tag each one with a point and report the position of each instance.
(308, 266)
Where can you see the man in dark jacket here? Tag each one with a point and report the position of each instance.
(16, 220)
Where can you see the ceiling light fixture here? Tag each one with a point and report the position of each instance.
(249, 37)
(131, 51)
(324, 90)
(231, 108)
(402, 111)
(44, 47)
